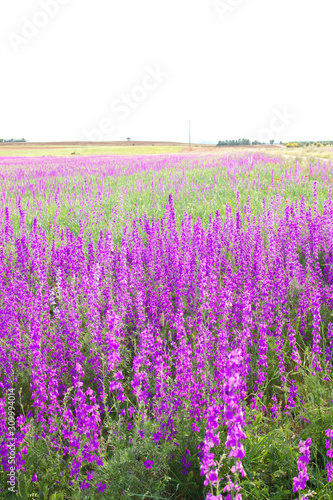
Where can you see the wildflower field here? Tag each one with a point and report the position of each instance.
(166, 328)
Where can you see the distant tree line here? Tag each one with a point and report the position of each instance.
(13, 140)
(247, 142)
(240, 142)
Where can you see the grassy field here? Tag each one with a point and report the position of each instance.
(304, 154)
(167, 327)
(311, 153)
(87, 150)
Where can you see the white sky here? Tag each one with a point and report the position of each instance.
(231, 69)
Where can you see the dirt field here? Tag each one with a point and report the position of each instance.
(116, 148)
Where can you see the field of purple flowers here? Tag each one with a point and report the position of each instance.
(166, 328)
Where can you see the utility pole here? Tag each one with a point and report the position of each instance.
(189, 134)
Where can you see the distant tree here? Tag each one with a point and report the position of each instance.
(128, 138)
(1, 140)
(271, 141)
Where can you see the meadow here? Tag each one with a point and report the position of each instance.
(166, 327)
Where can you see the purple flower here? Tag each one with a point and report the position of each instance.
(186, 463)
(148, 463)
(329, 433)
(101, 486)
(90, 475)
(20, 420)
(299, 482)
(213, 477)
(329, 453)
(34, 477)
